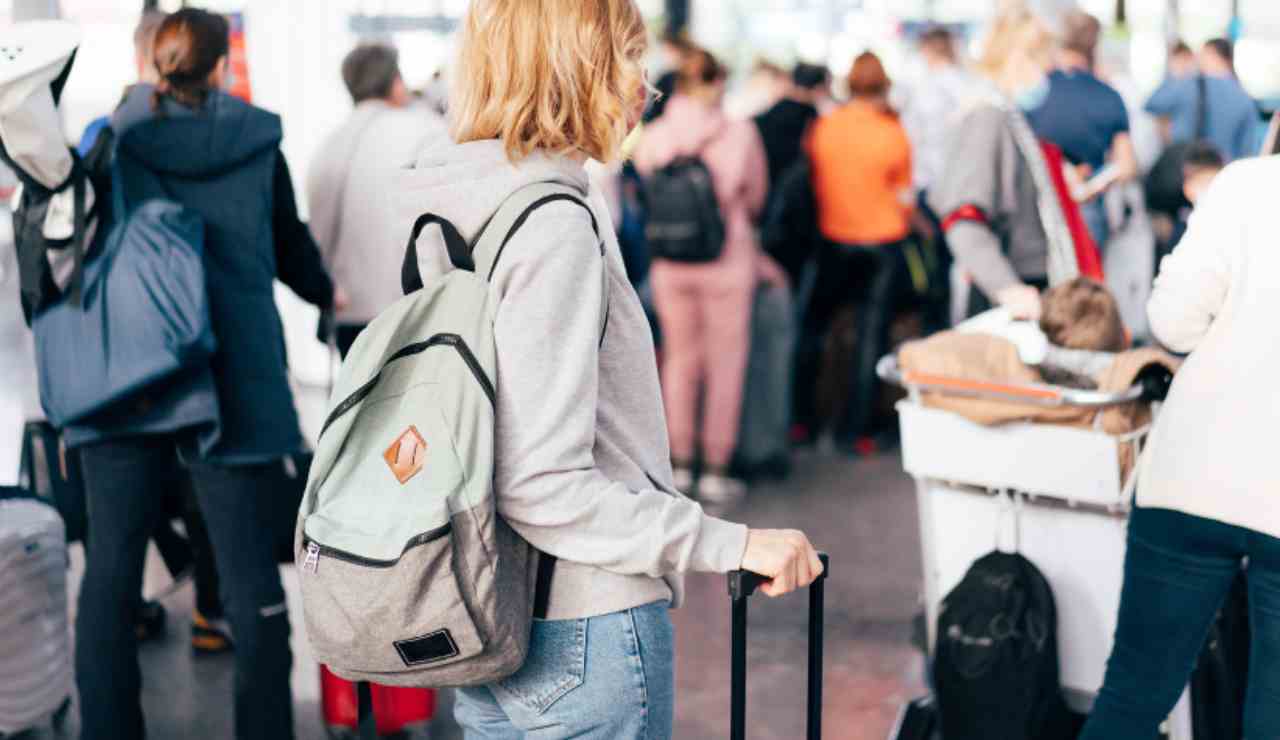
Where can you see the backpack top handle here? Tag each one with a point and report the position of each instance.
(459, 251)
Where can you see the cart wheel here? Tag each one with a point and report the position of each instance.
(60, 716)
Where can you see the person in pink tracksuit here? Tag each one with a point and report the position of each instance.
(704, 309)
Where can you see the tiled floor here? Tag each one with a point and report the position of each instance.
(862, 512)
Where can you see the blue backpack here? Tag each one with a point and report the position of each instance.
(141, 316)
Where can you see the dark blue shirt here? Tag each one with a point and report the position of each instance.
(1233, 124)
(1082, 115)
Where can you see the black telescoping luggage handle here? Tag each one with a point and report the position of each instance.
(742, 584)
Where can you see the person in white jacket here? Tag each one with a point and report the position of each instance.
(361, 246)
(1207, 502)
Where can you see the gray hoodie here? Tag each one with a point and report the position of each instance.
(583, 467)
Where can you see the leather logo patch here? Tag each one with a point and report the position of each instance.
(407, 455)
(438, 645)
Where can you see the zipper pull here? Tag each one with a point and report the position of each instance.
(312, 561)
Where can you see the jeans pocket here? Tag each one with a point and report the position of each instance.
(556, 665)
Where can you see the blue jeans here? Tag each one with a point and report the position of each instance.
(1177, 572)
(609, 677)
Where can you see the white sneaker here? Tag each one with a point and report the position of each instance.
(720, 489)
(682, 479)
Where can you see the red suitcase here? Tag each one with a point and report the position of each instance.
(398, 710)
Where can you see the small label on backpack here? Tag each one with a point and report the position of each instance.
(438, 645)
(407, 455)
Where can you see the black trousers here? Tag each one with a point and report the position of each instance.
(871, 278)
(122, 487)
(194, 550)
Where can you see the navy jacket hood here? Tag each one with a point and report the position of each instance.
(173, 139)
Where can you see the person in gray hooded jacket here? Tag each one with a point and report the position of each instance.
(583, 468)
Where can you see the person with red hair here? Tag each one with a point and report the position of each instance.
(861, 161)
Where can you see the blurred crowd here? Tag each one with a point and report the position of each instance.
(869, 211)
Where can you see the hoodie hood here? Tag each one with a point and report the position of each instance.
(465, 184)
(684, 130)
(219, 136)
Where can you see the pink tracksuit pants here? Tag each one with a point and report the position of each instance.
(705, 316)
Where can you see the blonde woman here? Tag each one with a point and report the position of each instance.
(583, 470)
(1003, 220)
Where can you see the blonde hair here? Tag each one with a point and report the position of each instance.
(1019, 44)
(558, 75)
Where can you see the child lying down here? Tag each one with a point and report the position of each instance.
(1080, 342)
(1078, 337)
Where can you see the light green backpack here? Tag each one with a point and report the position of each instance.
(409, 576)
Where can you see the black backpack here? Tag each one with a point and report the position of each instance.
(996, 659)
(684, 222)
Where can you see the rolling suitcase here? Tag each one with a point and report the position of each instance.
(35, 645)
(742, 584)
(370, 711)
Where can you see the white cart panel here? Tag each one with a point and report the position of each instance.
(1071, 464)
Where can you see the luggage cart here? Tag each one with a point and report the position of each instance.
(1055, 492)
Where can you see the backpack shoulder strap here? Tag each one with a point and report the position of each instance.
(512, 214)
(497, 234)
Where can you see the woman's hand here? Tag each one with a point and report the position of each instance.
(784, 556)
(1023, 302)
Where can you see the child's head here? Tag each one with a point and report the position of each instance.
(1202, 164)
(1082, 314)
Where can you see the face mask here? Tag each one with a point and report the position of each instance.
(1030, 98)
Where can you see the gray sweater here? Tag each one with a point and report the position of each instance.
(346, 192)
(984, 168)
(583, 466)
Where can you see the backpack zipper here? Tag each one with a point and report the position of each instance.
(439, 340)
(314, 550)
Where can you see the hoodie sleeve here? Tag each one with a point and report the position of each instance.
(977, 174)
(298, 263)
(548, 486)
(1193, 283)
